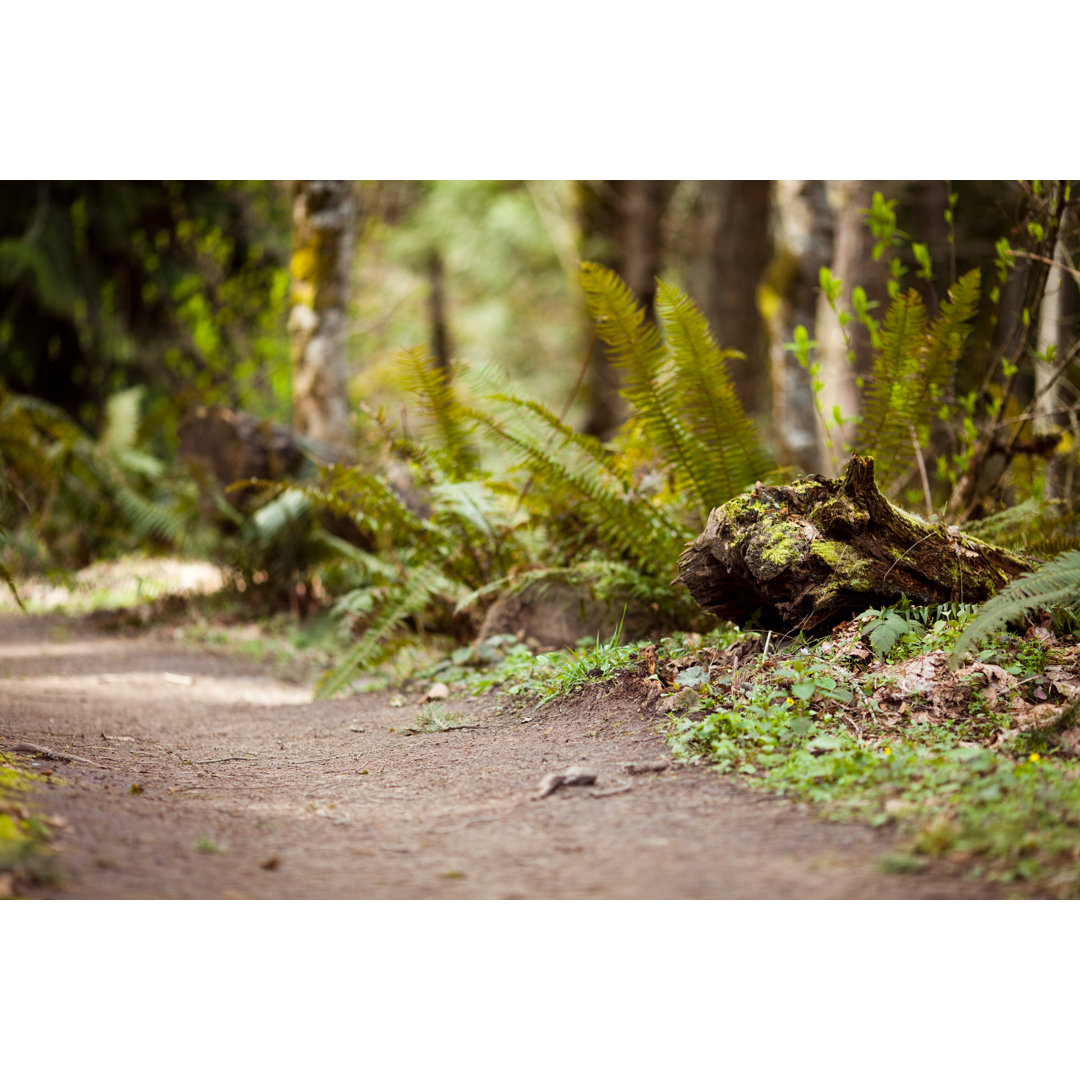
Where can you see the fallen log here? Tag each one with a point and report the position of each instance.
(815, 552)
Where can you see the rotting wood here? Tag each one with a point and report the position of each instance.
(812, 553)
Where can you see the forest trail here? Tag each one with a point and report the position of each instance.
(196, 775)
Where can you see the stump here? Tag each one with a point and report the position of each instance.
(813, 553)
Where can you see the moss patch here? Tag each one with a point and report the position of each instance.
(24, 835)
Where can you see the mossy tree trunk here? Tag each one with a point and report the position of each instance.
(323, 233)
(815, 552)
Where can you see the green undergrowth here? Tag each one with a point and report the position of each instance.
(952, 762)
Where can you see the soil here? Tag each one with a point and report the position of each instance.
(204, 776)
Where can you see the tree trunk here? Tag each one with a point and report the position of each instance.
(728, 248)
(620, 228)
(323, 232)
(803, 244)
(853, 265)
(819, 551)
(440, 331)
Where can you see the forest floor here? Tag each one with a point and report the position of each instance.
(181, 771)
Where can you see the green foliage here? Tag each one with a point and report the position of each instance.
(887, 628)
(914, 367)
(572, 671)
(684, 402)
(180, 286)
(805, 724)
(398, 603)
(25, 848)
(585, 497)
(1056, 583)
(511, 493)
(1037, 525)
(77, 497)
(432, 388)
(433, 717)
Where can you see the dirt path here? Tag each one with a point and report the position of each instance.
(251, 790)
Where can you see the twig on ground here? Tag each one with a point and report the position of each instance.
(54, 755)
(219, 760)
(612, 791)
(575, 776)
(436, 730)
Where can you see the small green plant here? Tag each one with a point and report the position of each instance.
(434, 717)
(572, 671)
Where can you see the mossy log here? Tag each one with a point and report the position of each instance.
(817, 551)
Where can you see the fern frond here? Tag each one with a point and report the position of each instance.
(404, 601)
(445, 415)
(592, 491)
(360, 496)
(1055, 583)
(724, 452)
(558, 435)
(886, 424)
(914, 370)
(1037, 526)
(470, 502)
(948, 334)
(636, 348)
(634, 342)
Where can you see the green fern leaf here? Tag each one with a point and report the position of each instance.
(445, 415)
(948, 334)
(914, 369)
(886, 425)
(1055, 583)
(724, 452)
(404, 601)
(636, 348)
(590, 488)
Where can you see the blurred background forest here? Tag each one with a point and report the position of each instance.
(161, 341)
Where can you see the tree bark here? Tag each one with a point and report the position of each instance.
(1056, 331)
(440, 331)
(323, 233)
(728, 248)
(621, 227)
(808, 555)
(853, 264)
(803, 244)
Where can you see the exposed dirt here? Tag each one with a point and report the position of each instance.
(249, 789)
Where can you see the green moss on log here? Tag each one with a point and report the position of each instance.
(816, 551)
